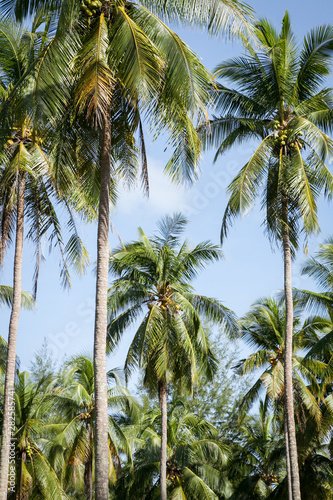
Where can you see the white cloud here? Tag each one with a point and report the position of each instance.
(165, 197)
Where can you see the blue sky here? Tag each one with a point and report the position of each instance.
(250, 269)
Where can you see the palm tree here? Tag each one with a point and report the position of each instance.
(315, 458)
(6, 298)
(72, 436)
(74, 429)
(162, 75)
(34, 474)
(279, 99)
(195, 457)
(27, 189)
(126, 51)
(263, 328)
(256, 463)
(320, 268)
(170, 345)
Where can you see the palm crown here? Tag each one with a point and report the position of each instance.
(195, 457)
(320, 269)
(28, 153)
(74, 431)
(279, 99)
(257, 459)
(154, 280)
(263, 328)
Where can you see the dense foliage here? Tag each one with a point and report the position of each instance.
(216, 448)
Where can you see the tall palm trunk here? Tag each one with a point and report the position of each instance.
(162, 394)
(21, 494)
(88, 480)
(101, 394)
(288, 380)
(286, 437)
(12, 338)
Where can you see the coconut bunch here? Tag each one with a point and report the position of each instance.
(26, 447)
(22, 135)
(84, 416)
(270, 479)
(163, 299)
(286, 138)
(89, 8)
(279, 356)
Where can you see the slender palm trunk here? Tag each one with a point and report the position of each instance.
(20, 494)
(8, 413)
(88, 478)
(88, 466)
(101, 395)
(286, 437)
(162, 393)
(288, 381)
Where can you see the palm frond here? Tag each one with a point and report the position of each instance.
(94, 87)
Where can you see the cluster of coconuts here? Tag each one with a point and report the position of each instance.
(295, 142)
(18, 137)
(270, 478)
(90, 7)
(298, 142)
(275, 124)
(163, 299)
(14, 139)
(273, 360)
(284, 140)
(174, 474)
(84, 416)
(163, 303)
(173, 471)
(28, 449)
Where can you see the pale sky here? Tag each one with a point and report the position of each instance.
(250, 269)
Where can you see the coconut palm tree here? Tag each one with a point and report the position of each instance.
(320, 269)
(162, 75)
(263, 329)
(125, 49)
(6, 298)
(315, 459)
(195, 457)
(256, 464)
(277, 96)
(34, 474)
(170, 344)
(71, 446)
(27, 188)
